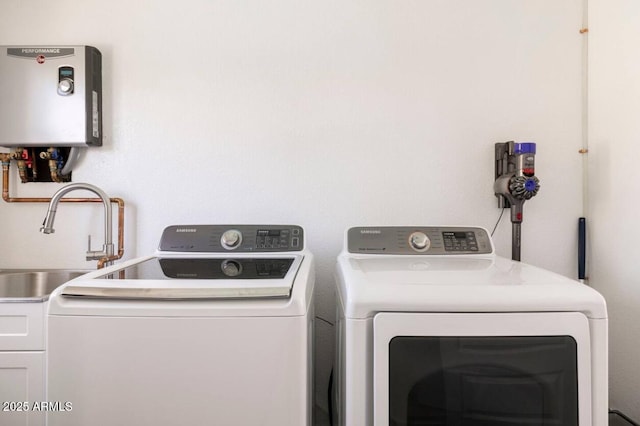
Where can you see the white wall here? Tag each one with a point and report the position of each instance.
(614, 185)
(324, 114)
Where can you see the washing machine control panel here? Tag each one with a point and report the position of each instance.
(422, 240)
(232, 238)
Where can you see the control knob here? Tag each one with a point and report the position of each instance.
(419, 241)
(231, 239)
(65, 87)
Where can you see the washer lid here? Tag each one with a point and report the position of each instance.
(199, 268)
(192, 278)
(96, 295)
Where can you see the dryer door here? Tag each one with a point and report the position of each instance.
(481, 369)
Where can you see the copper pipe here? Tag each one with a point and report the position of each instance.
(4, 158)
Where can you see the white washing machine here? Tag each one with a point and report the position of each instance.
(215, 328)
(434, 329)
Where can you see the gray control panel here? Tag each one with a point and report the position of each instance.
(414, 240)
(232, 238)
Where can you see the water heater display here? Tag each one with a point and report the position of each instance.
(65, 81)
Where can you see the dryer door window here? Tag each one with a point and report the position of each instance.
(483, 381)
(481, 369)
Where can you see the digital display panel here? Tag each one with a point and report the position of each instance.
(456, 235)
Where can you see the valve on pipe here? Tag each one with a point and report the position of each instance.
(515, 182)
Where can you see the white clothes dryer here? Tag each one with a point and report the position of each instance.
(434, 329)
(215, 328)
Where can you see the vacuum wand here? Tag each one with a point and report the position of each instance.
(516, 240)
(515, 183)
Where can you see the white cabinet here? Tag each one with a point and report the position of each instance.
(22, 383)
(22, 326)
(22, 364)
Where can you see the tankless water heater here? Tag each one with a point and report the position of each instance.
(50, 96)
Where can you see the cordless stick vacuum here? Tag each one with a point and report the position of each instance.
(515, 183)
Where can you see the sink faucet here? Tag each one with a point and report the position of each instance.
(47, 225)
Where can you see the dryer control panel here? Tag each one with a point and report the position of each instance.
(232, 238)
(419, 240)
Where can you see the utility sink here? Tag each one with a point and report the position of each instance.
(28, 285)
